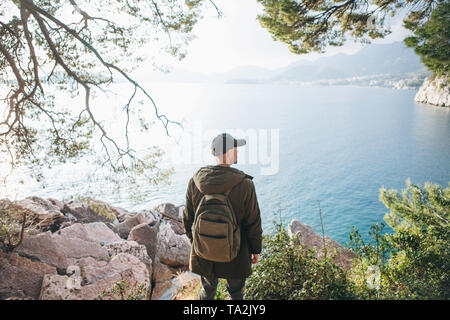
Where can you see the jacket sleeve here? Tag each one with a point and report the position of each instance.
(188, 212)
(252, 223)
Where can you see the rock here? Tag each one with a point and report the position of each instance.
(44, 248)
(79, 248)
(74, 242)
(88, 267)
(146, 235)
(168, 209)
(76, 230)
(172, 249)
(177, 227)
(56, 287)
(95, 232)
(57, 203)
(148, 216)
(125, 216)
(173, 214)
(123, 228)
(185, 278)
(180, 211)
(435, 91)
(21, 277)
(97, 278)
(122, 267)
(73, 271)
(46, 215)
(119, 263)
(90, 211)
(162, 272)
(342, 256)
(121, 212)
(133, 248)
(99, 232)
(160, 288)
(93, 291)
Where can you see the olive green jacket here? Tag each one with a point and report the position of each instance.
(217, 179)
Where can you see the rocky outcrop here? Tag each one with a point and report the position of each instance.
(90, 211)
(81, 249)
(311, 240)
(435, 91)
(97, 279)
(77, 253)
(41, 213)
(21, 277)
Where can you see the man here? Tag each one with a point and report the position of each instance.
(218, 179)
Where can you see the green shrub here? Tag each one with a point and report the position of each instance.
(286, 270)
(222, 292)
(414, 261)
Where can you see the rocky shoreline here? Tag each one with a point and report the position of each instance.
(435, 91)
(80, 249)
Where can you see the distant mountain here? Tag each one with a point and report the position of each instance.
(393, 58)
(391, 65)
(247, 72)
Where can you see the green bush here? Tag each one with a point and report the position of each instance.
(410, 263)
(288, 271)
(222, 292)
(414, 261)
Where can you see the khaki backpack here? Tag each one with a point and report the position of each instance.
(215, 232)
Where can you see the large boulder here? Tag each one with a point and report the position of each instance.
(148, 216)
(311, 240)
(74, 242)
(162, 272)
(133, 248)
(75, 248)
(95, 232)
(98, 278)
(173, 214)
(146, 235)
(90, 210)
(100, 233)
(88, 268)
(123, 228)
(56, 203)
(435, 91)
(44, 248)
(127, 246)
(21, 277)
(58, 287)
(45, 215)
(172, 249)
(169, 210)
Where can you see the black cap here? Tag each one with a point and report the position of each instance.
(224, 142)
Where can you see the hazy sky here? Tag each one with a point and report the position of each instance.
(238, 39)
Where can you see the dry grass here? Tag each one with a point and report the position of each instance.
(190, 291)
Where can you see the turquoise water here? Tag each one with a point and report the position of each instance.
(337, 145)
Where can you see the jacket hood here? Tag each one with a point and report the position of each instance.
(218, 179)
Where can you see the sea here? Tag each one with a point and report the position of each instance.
(312, 150)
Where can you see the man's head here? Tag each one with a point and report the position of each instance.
(224, 148)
